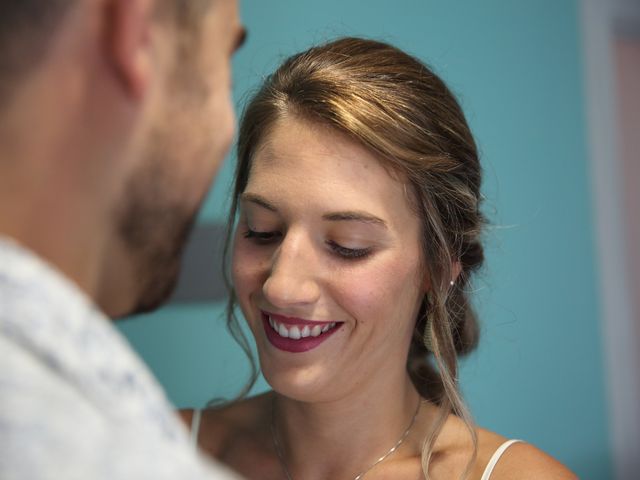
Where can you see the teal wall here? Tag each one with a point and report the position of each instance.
(516, 67)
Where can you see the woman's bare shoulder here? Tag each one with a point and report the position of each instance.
(229, 423)
(520, 461)
(245, 412)
(242, 411)
(186, 415)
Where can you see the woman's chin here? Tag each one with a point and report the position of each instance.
(301, 385)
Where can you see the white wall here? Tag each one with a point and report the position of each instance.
(611, 33)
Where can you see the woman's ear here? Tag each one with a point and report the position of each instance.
(426, 283)
(456, 270)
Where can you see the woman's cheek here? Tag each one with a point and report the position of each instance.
(362, 293)
(241, 269)
(377, 292)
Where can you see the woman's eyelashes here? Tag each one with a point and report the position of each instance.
(350, 253)
(272, 237)
(262, 238)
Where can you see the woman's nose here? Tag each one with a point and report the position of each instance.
(292, 279)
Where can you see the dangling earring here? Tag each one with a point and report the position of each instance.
(427, 336)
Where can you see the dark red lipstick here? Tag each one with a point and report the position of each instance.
(296, 327)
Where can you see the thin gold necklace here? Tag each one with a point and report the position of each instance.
(402, 438)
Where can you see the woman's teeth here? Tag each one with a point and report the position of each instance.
(297, 333)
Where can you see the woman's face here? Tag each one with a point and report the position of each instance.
(326, 263)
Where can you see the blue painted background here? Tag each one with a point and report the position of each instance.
(516, 67)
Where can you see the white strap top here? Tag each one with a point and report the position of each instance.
(495, 457)
(195, 426)
(197, 417)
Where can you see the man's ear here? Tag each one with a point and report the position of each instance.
(127, 37)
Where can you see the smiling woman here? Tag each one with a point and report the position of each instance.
(358, 194)
(333, 247)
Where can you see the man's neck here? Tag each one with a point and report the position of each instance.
(56, 226)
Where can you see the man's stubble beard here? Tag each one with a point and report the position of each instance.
(155, 221)
(154, 228)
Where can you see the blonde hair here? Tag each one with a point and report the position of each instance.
(393, 104)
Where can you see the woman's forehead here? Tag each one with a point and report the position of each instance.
(310, 164)
(296, 146)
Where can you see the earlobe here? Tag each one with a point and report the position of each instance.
(426, 284)
(456, 269)
(128, 43)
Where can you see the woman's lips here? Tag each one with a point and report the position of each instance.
(281, 319)
(295, 334)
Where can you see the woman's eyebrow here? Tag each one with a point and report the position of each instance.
(258, 200)
(354, 216)
(343, 216)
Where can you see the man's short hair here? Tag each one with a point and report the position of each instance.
(26, 26)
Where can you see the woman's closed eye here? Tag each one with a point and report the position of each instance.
(262, 238)
(270, 237)
(348, 253)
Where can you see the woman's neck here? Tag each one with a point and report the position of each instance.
(343, 437)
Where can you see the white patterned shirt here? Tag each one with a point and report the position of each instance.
(75, 400)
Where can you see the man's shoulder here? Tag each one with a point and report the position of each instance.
(40, 414)
(49, 429)
(28, 375)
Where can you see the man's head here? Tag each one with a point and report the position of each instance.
(135, 97)
(183, 148)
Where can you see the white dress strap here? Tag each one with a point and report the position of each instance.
(195, 426)
(495, 457)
